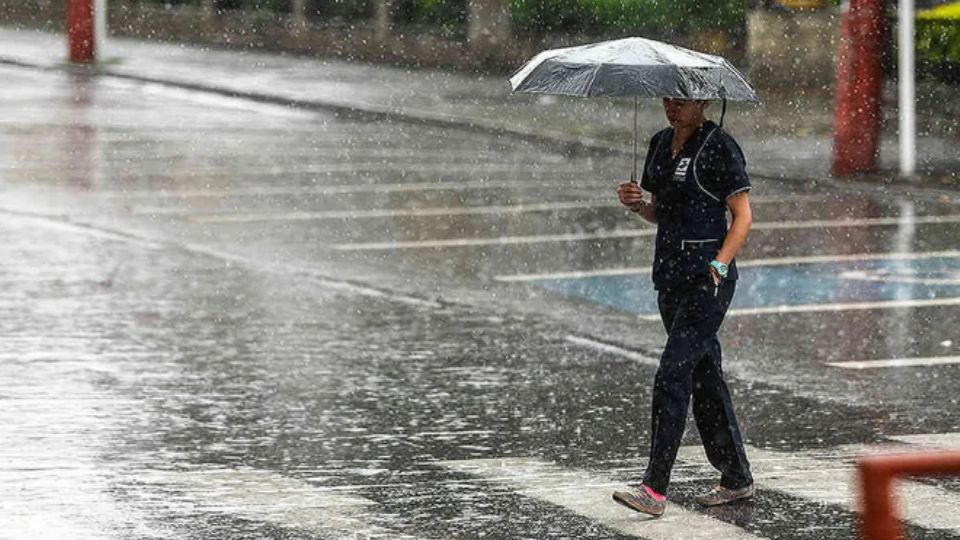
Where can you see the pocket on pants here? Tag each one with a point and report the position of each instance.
(696, 254)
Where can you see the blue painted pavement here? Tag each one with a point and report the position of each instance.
(789, 285)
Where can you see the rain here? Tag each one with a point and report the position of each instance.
(458, 269)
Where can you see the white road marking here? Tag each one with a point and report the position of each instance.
(896, 362)
(747, 263)
(436, 185)
(390, 166)
(830, 479)
(613, 349)
(855, 364)
(398, 212)
(212, 99)
(478, 242)
(267, 191)
(622, 233)
(589, 494)
(932, 440)
(824, 308)
(577, 274)
(343, 190)
(318, 277)
(57, 224)
(902, 277)
(266, 496)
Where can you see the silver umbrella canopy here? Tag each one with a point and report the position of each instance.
(636, 67)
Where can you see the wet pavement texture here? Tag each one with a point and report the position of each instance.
(227, 319)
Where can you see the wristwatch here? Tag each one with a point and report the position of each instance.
(721, 268)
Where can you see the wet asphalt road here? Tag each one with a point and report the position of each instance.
(234, 320)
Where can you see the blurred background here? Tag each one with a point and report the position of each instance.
(787, 48)
(772, 37)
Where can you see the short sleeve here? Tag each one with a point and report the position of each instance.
(732, 170)
(646, 181)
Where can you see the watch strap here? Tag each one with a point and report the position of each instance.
(722, 269)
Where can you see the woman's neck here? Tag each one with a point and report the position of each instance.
(682, 133)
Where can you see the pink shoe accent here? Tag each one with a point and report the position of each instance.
(656, 496)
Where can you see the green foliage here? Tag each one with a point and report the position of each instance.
(626, 15)
(599, 17)
(938, 36)
(342, 9)
(324, 9)
(442, 13)
(945, 12)
(278, 6)
(938, 40)
(173, 3)
(651, 17)
(538, 16)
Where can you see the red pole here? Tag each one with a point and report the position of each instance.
(878, 521)
(877, 474)
(80, 31)
(859, 88)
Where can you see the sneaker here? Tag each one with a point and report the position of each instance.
(641, 501)
(721, 495)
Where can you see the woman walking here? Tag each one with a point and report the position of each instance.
(694, 172)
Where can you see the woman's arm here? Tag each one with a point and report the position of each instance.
(648, 211)
(631, 196)
(739, 205)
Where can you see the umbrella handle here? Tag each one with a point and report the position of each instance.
(636, 130)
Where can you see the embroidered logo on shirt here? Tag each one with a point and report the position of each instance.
(680, 174)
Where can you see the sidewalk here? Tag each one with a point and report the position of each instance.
(786, 137)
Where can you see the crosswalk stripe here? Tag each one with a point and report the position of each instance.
(613, 349)
(828, 308)
(638, 232)
(896, 362)
(588, 494)
(830, 478)
(335, 189)
(393, 212)
(932, 440)
(273, 498)
(742, 263)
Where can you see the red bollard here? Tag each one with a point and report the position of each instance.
(859, 88)
(877, 473)
(80, 35)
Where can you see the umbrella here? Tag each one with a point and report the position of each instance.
(636, 67)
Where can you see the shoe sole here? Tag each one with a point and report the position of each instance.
(626, 503)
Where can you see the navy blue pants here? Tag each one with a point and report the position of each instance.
(691, 366)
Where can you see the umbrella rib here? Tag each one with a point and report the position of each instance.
(593, 79)
(736, 73)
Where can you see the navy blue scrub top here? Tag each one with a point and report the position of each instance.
(691, 193)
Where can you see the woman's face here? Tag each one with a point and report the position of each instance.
(684, 112)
